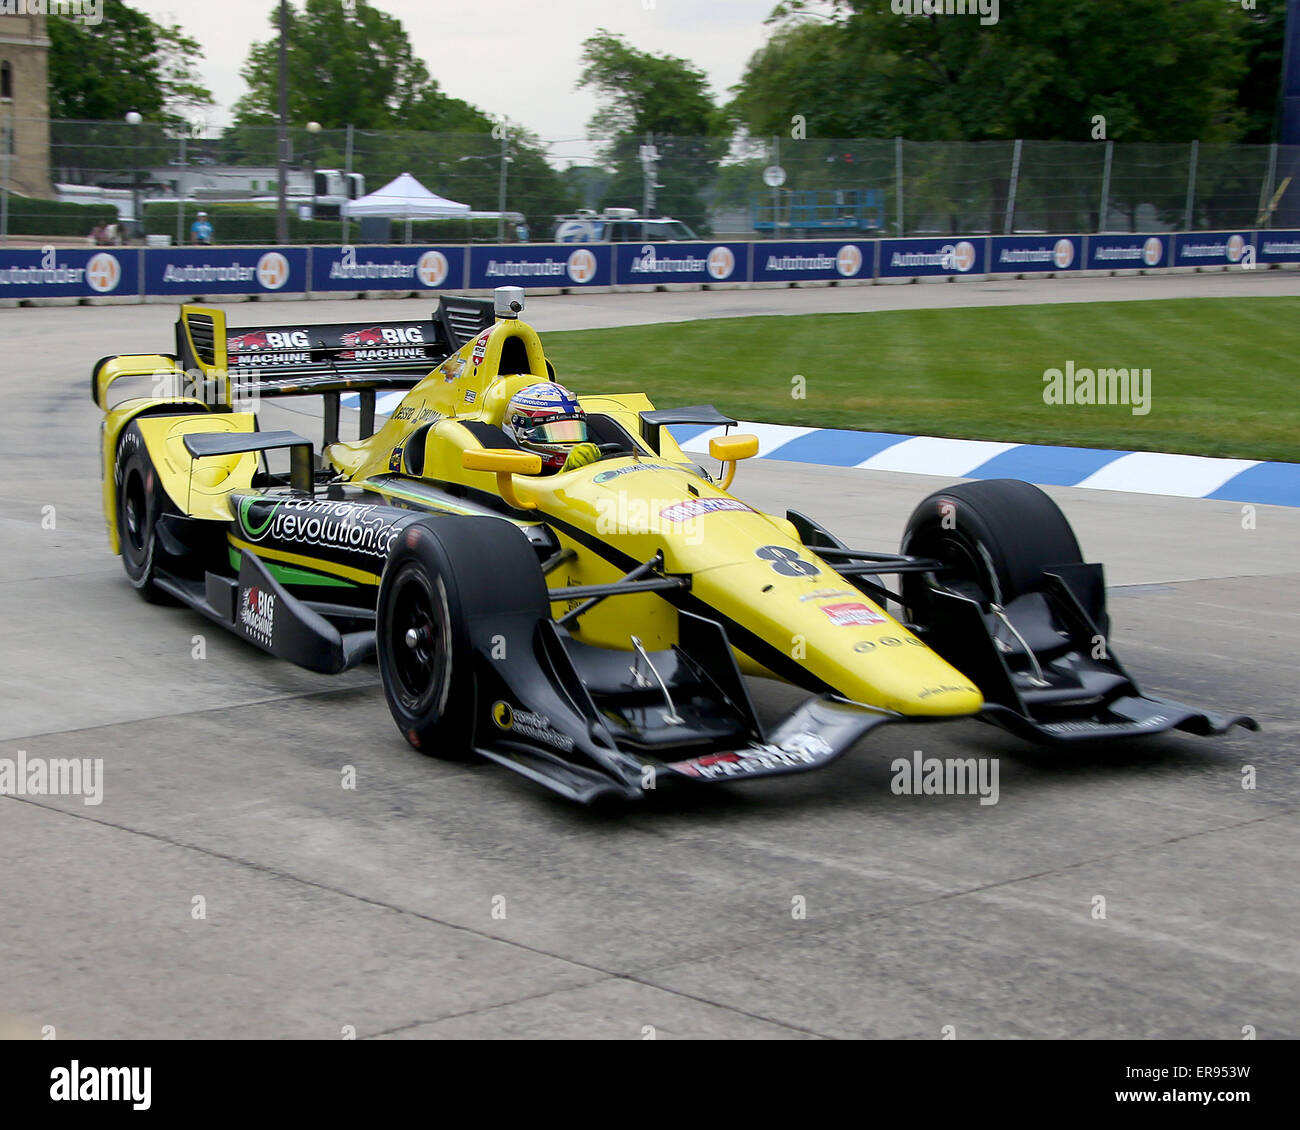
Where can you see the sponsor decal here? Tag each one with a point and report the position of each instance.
(581, 266)
(535, 726)
(333, 525)
(721, 263)
(471, 395)
(273, 270)
(257, 614)
(929, 692)
(416, 413)
(411, 353)
(480, 347)
(452, 368)
(632, 468)
(432, 268)
(853, 615)
(693, 507)
(103, 272)
(826, 594)
(800, 751)
(395, 459)
(958, 257)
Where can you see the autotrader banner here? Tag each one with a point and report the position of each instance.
(681, 263)
(811, 261)
(1213, 249)
(1021, 254)
(50, 272)
(218, 270)
(540, 264)
(1127, 252)
(387, 268)
(904, 258)
(1278, 247)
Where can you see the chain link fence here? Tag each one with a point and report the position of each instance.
(155, 179)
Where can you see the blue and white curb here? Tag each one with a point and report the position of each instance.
(1138, 472)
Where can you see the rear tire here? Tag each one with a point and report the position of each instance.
(446, 582)
(996, 538)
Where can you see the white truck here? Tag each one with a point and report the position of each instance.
(619, 225)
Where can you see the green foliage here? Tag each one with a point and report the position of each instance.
(1157, 71)
(28, 216)
(255, 224)
(358, 68)
(663, 97)
(127, 62)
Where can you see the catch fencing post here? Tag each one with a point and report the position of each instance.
(1105, 188)
(898, 182)
(1191, 186)
(1011, 192)
(347, 184)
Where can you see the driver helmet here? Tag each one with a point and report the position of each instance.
(546, 418)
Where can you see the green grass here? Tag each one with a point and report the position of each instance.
(1225, 373)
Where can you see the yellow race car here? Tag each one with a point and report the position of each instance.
(549, 581)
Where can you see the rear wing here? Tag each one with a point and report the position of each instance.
(324, 359)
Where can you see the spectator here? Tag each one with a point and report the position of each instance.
(201, 230)
(97, 236)
(522, 232)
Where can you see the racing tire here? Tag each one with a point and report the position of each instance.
(444, 577)
(996, 537)
(141, 502)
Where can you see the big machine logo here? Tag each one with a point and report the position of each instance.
(256, 340)
(257, 614)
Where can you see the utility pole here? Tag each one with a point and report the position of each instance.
(282, 139)
(501, 190)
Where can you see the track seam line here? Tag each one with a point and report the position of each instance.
(277, 873)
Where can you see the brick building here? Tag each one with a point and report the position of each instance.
(24, 104)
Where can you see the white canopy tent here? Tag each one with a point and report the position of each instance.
(405, 198)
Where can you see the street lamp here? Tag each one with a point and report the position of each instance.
(134, 118)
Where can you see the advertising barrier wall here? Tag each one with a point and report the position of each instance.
(397, 267)
(1021, 254)
(540, 264)
(681, 262)
(218, 270)
(66, 273)
(809, 261)
(911, 258)
(138, 273)
(1213, 249)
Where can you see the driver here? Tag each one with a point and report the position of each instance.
(547, 419)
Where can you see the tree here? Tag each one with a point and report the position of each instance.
(663, 97)
(402, 121)
(856, 68)
(127, 62)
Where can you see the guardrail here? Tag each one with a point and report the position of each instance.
(143, 273)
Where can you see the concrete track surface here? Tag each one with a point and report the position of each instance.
(441, 900)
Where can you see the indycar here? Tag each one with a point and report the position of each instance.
(593, 629)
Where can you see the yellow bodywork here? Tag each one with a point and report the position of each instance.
(748, 566)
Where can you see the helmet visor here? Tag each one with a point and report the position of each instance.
(561, 429)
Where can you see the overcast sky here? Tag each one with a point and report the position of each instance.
(523, 64)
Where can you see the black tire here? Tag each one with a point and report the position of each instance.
(141, 501)
(448, 581)
(996, 537)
